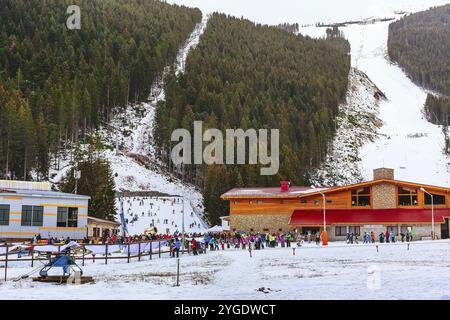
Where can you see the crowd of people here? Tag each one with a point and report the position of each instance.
(200, 242)
(390, 236)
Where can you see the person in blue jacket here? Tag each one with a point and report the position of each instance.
(177, 247)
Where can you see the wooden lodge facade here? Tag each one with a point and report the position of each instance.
(377, 205)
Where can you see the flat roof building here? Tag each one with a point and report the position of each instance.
(98, 228)
(31, 208)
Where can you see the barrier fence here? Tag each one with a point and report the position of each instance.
(87, 252)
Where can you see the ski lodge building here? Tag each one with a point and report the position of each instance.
(31, 208)
(378, 205)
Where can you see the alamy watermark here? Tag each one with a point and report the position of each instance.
(73, 22)
(235, 147)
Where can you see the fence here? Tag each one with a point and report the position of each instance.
(85, 253)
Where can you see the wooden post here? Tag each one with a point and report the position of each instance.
(6, 262)
(159, 250)
(151, 249)
(32, 256)
(84, 252)
(377, 248)
(178, 272)
(408, 246)
(293, 251)
(129, 245)
(106, 253)
(139, 251)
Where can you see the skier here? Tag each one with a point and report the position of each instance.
(317, 238)
(411, 234)
(288, 239)
(177, 247)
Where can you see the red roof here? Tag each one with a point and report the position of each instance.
(311, 217)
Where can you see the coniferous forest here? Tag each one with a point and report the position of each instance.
(420, 43)
(57, 85)
(244, 75)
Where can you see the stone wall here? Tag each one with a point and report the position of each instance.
(383, 173)
(384, 196)
(260, 222)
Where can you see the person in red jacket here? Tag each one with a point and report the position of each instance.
(194, 246)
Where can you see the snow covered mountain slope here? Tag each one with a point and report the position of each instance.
(165, 213)
(357, 123)
(134, 165)
(407, 142)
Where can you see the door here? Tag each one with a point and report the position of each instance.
(444, 229)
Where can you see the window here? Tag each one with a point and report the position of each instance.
(407, 196)
(329, 201)
(32, 216)
(67, 217)
(259, 201)
(361, 197)
(72, 220)
(340, 231)
(303, 201)
(4, 214)
(437, 199)
(354, 229)
(96, 232)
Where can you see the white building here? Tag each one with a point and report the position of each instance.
(31, 208)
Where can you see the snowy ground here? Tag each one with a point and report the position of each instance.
(339, 271)
(165, 213)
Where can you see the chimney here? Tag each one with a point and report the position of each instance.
(284, 186)
(383, 173)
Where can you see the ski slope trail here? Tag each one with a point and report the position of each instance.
(406, 141)
(409, 143)
(143, 133)
(134, 165)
